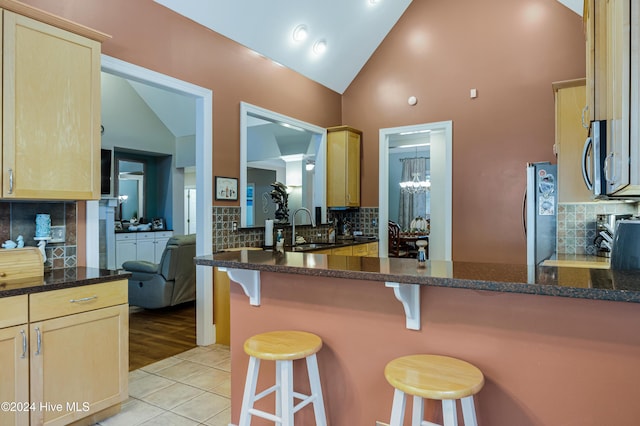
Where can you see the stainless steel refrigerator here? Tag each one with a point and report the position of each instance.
(541, 212)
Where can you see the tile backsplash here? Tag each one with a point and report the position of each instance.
(577, 224)
(18, 218)
(364, 219)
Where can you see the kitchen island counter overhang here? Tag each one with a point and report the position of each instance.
(534, 349)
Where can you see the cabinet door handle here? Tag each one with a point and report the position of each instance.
(10, 181)
(38, 341)
(83, 299)
(584, 115)
(24, 344)
(609, 169)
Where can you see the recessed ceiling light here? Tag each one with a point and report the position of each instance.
(291, 126)
(373, 2)
(292, 157)
(319, 47)
(300, 33)
(415, 132)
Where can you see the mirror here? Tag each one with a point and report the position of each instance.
(130, 189)
(277, 148)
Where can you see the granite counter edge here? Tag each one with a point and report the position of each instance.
(50, 284)
(614, 295)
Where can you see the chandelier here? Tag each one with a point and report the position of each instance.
(415, 185)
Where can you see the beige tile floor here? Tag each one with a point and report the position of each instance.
(192, 388)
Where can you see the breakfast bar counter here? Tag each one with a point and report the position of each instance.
(547, 360)
(586, 283)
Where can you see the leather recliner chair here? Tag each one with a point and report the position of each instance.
(171, 282)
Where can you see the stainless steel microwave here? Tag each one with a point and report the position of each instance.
(593, 159)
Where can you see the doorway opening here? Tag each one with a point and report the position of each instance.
(190, 209)
(440, 140)
(205, 330)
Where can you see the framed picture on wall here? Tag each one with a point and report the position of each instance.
(226, 188)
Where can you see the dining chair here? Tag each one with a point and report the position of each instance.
(396, 247)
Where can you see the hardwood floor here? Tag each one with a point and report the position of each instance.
(156, 334)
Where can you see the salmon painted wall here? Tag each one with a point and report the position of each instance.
(147, 34)
(547, 361)
(511, 52)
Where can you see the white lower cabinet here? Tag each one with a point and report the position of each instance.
(145, 249)
(141, 246)
(161, 243)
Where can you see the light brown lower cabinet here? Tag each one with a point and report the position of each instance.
(343, 251)
(372, 249)
(362, 250)
(221, 306)
(77, 358)
(366, 250)
(14, 360)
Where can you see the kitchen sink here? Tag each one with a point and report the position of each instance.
(309, 246)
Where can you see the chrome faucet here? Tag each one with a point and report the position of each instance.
(293, 221)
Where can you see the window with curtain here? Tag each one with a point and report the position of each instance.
(416, 204)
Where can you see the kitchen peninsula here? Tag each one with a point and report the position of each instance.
(547, 360)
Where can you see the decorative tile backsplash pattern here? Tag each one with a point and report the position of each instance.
(577, 224)
(18, 218)
(364, 219)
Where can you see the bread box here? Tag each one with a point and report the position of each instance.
(21, 264)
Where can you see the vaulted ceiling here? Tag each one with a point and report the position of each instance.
(352, 30)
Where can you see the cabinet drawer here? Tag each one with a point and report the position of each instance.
(57, 303)
(141, 236)
(344, 251)
(360, 250)
(323, 251)
(163, 234)
(125, 237)
(13, 310)
(372, 249)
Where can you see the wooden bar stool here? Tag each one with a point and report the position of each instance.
(283, 347)
(434, 377)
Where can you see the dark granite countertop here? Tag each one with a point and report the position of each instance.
(323, 245)
(126, 231)
(585, 283)
(61, 278)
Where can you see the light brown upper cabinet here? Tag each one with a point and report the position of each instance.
(51, 107)
(571, 133)
(343, 166)
(612, 30)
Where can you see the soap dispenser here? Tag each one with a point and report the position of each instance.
(422, 253)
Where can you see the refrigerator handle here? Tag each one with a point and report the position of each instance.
(585, 152)
(524, 212)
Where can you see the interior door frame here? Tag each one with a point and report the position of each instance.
(205, 329)
(441, 189)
